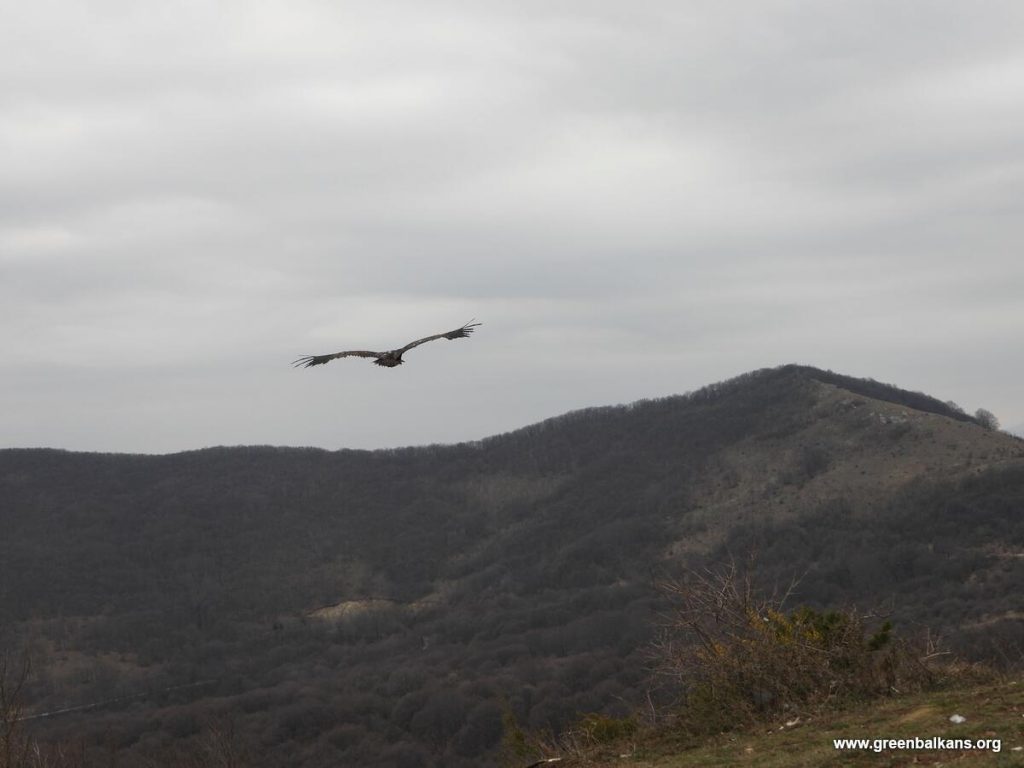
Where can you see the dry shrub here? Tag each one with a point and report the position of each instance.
(592, 737)
(741, 658)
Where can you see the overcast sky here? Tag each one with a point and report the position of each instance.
(636, 199)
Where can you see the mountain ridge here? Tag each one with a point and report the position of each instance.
(864, 386)
(529, 558)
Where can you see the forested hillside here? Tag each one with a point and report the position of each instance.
(388, 608)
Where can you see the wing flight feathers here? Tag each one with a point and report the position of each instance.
(307, 361)
(459, 333)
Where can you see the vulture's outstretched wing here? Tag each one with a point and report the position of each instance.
(458, 333)
(311, 360)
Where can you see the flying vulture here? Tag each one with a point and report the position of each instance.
(390, 358)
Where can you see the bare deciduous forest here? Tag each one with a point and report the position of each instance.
(266, 606)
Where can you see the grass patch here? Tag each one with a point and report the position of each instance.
(993, 711)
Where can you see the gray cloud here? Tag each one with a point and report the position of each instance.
(636, 201)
